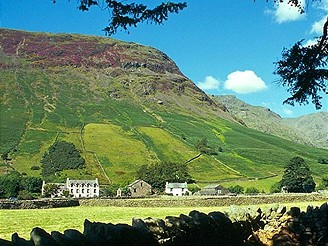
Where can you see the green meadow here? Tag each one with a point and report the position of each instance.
(59, 219)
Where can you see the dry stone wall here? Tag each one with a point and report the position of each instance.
(238, 227)
(37, 204)
(209, 201)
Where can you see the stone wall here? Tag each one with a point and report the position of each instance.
(210, 201)
(36, 204)
(274, 227)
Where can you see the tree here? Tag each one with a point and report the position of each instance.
(325, 182)
(61, 155)
(125, 15)
(204, 148)
(252, 190)
(237, 189)
(10, 185)
(303, 71)
(14, 184)
(158, 174)
(50, 190)
(32, 184)
(297, 177)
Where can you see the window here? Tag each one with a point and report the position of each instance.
(141, 184)
(77, 190)
(95, 191)
(134, 189)
(82, 190)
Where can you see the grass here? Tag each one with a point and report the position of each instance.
(121, 148)
(125, 134)
(60, 219)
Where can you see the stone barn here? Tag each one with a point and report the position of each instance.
(213, 190)
(140, 188)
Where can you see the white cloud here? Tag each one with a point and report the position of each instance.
(288, 111)
(244, 82)
(210, 83)
(285, 12)
(317, 27)
(311, 42)
(323, 4)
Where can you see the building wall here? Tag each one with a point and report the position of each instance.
(83, 189)
(140, 188)
(175, 191)
(77, 189)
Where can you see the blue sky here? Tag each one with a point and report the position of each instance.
(223, 46)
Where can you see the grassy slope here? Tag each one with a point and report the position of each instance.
(38, 107)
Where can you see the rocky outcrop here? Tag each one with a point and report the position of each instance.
(237, 227)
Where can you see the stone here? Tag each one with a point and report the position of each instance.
(41, 238)
(294, 211)
(18, 241)
(5, 242)
(63, 240)
(155, 226)
(97, 233)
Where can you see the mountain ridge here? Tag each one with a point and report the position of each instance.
(121, 115)
(307, 129)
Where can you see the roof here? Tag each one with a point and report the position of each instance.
(137, 181)
(212, 186)
(77, 181)
(209, 192)
(176, 185)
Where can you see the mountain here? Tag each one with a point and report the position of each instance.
(123, 105)
(314, 126)
(311, 129)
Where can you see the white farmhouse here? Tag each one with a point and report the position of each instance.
(177, 189)
(76, 188)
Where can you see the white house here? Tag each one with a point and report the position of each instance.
(76, 188)
(177, 189)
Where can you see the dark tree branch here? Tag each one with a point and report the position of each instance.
(303, 70)
(123, 16)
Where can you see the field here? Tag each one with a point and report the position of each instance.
(60, 219)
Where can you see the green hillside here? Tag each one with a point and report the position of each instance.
(123, 116)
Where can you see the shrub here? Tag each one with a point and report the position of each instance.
(35, 168)
(237, 189)
(252, 190)
(322, 160)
